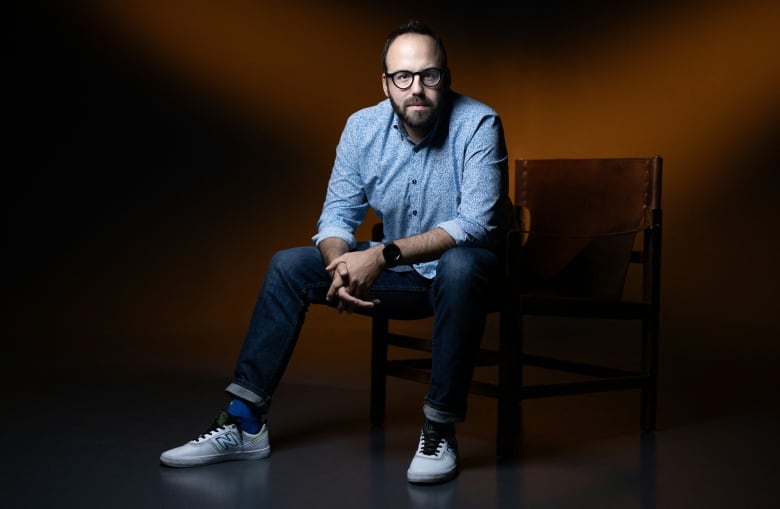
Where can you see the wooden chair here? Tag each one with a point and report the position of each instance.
(583, 225)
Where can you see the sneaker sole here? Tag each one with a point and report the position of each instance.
(217, 458)
(431, 479)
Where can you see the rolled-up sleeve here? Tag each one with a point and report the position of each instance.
(345, 203)
(482, 210)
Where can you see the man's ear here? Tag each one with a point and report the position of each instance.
(384, 85)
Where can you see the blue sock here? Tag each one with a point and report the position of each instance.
(251, 422)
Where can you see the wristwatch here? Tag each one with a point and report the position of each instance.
(392, 255)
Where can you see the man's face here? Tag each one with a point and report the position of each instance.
(417, 106)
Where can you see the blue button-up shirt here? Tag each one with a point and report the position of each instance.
(455, 179)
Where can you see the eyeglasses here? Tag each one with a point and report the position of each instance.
(403, 79)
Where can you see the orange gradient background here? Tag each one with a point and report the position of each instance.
(696, 82)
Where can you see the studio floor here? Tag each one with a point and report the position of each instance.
(90, 436)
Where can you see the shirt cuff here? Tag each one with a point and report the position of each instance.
(335, 232)
(462, 239)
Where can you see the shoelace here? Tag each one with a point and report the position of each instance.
(431, 440)
(221, 421)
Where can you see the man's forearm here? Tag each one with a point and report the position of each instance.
(331, 248)
(424, 246)
(415, 249)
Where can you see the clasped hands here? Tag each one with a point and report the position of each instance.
(353, 274)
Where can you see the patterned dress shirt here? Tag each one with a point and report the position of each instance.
(455, 179)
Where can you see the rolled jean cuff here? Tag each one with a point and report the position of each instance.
(251, 396)
(442, 416)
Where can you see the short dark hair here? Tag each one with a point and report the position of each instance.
(416, 27)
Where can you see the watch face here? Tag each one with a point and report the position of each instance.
(392, 254)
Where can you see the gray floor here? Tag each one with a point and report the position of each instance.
(88, 436)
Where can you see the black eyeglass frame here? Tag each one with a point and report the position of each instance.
(391, 77)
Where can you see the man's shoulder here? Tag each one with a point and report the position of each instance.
(380, 110)
(369, 124)
(469, 106)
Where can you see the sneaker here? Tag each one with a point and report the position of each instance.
(436, 460)
(224, 441)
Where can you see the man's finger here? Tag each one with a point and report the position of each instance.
(353, 301)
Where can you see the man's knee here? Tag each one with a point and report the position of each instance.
(465, 269)
(297, 260)
(464, 261)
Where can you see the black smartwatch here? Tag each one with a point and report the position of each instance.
(392, 255)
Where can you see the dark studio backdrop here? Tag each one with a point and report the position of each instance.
(160, 152)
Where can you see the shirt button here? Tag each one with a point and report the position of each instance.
(414, 212)
(414, 181)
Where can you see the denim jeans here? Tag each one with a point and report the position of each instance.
(466, 286)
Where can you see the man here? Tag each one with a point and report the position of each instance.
(433, 165)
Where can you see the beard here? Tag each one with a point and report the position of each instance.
(418, 120)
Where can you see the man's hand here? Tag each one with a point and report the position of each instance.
(353, 275)
(354, 272)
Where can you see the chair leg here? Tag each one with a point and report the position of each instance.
(379, 328)
(649, 393)
(509, 429)
(509, 418)
(648, 409)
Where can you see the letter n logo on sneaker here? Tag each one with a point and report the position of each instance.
(226, 441)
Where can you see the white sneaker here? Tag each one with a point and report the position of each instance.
(224, 441)
(436, 460)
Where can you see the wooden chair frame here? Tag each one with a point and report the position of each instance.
(510, 358)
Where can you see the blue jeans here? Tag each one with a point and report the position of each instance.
(465, 288)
